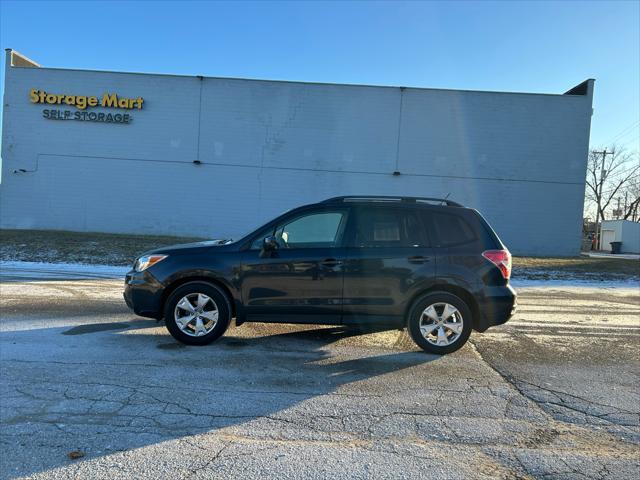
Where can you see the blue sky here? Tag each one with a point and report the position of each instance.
(519, 46)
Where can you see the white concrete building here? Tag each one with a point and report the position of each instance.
(166, 154)
(624, 231)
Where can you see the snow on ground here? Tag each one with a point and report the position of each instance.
(37, 270)
(564, 283)
(617, 256)
(48, 271)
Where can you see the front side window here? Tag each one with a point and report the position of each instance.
(316, 230)
(311, 231)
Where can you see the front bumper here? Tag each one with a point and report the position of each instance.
(143, 294)
(497, 306)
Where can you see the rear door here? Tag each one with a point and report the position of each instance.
(388, 259)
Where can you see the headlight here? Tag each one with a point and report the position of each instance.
(146, 261)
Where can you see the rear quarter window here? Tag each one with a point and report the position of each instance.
(452, 230)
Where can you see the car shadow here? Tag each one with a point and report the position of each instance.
(129, 385)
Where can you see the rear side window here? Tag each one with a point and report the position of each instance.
(387, 228)
(452, 230)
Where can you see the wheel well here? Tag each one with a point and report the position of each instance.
(455, 290)
(171, 288)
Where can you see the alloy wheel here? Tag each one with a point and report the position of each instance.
(441, 324)
(196, 314)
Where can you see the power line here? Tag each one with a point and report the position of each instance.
(624, 131)
(621, 172)
(609, 192)
(630, 141)
(630, 132)
(628, 173)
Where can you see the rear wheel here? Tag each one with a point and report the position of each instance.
(439, 323)
(197, 313)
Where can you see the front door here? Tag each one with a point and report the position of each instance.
(301, 281)
(388, 259)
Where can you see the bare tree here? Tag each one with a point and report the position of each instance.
(631, 195)
(609, 173)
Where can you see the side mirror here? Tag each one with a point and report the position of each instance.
(269, 244)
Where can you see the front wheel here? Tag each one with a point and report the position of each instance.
(439, 323)
(197, 313)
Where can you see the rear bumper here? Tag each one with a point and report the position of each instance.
(143, 294)
(497, 306)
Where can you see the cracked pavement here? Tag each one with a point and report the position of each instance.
(552, 394)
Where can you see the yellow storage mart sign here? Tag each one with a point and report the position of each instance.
(108, 100)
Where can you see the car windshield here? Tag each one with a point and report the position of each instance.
(247, 232)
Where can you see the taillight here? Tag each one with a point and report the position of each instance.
(501, 259)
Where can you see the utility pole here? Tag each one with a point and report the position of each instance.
(625, 202)
(603, 174)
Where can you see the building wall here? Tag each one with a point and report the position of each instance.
(265, 147)
(630, 237)
(625, 231)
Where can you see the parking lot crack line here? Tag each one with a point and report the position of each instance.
(559, 394)
(211, 461)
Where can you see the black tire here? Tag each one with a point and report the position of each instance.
(415, 315)
(215, 294)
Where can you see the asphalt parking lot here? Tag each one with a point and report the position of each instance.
(554, 393)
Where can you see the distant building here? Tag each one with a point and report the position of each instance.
(166, 154)
(624, 231)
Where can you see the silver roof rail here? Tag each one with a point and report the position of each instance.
(386, 198)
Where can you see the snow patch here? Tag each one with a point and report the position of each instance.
(41, 270)
(574, 283)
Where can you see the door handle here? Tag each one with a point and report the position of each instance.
(418, 259)
(330, 262)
